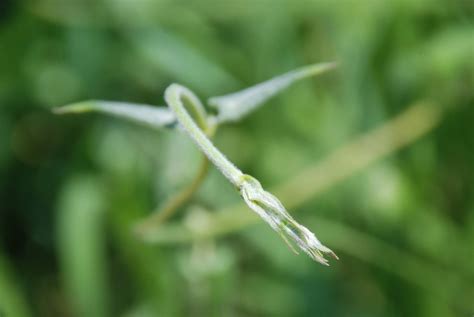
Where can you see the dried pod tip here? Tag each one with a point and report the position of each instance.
(271, 210)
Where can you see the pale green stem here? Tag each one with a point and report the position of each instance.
(206, 124)
(174, 96)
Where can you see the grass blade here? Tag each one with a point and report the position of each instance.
(82, 246)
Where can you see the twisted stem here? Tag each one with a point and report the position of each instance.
(163, 213)
(175, 95)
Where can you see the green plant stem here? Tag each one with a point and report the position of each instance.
(208, 127)
(174, 203)
(174, 96)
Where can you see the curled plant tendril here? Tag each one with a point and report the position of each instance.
(266, 205)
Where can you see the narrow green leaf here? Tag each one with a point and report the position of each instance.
(154, 117)
(233, 107)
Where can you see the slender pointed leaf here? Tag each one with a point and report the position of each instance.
(154, 117)
(234, 106)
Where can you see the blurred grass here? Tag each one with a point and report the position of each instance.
(71, 189)
(12, 297)
(82, 246)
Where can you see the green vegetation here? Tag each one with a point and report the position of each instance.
(101, 217)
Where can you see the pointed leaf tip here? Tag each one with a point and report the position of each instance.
(234, 106)
(151, 116)
(78, 107)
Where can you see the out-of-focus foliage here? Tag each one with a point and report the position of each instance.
(72, 188)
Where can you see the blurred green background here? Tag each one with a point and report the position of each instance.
(72, 188)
